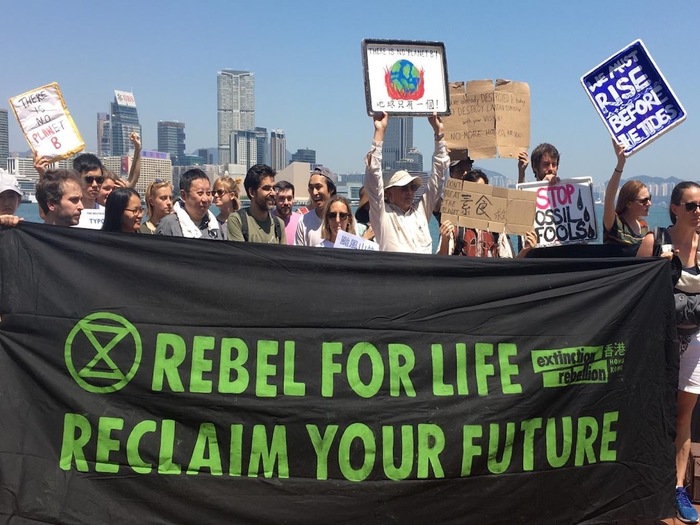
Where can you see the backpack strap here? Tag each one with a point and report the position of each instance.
(243, 214)
(278, 228)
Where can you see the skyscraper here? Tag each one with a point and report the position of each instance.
(235, 107)
(398, 139)
(124, 121)
(244, 148)
(278, 149)
(4, 139)
(171, 140)
(304, 155)
(263, 149)
(104, 135)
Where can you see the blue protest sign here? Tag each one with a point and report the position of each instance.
(633, 98)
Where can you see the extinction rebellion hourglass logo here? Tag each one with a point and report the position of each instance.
(103, 352)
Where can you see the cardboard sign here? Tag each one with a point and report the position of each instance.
(354, 242)
(46, 123)
(405, 77)
(488, 120)
(487, 207)
(631, 95)
(565, 212)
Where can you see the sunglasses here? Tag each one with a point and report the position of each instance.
(99, 179)
(691, 206)
(220, 193)
(334, 215)
(645, 200)
(411, 187)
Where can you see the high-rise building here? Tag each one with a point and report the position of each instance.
(124, 121)
(398, 139)
(416, 156)
(171, 140)
(104, 135)
(244, 148)
(278, 149)
(4, 139)
(263, 149)
(154, 165)
(235, 107)
(304, 155)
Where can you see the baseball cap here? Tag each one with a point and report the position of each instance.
(9, 182)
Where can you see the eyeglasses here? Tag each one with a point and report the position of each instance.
(99, 179)
(691, 206)
(135, 211)
(411, 187)
(645, 200)
(334, 215)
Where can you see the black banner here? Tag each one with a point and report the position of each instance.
(149, 379)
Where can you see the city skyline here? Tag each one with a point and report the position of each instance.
(313, 88)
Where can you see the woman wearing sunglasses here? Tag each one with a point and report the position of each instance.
(225, 195)
(684, 211)
(336, 216)
(123, 211)
(623, 223)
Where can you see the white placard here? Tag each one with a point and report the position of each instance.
(354, 242)
(46, 123)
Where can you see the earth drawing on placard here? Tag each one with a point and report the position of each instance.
(404, 81)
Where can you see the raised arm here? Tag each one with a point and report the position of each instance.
(135, 171)
(523, 161)
(613, 185)
(41, 164)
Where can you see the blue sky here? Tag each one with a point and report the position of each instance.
(308, 67)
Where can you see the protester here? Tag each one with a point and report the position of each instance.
(337, 216)
(472, 242)
(684, 212)
(364, 227)
(284, 202)
(623, 223)
(10, 199)
(255, 223)
(458, 168)
(545, 164)
(321, 189)
(226, 199)
(192, 218)
(60, 197)
(398, 223)
(123, 211)
(159, 203)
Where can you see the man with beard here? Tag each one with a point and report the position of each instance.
(10, 197)
(284, 201)
(60, 197)
(255, 223)
(545, 163)
(321, 189)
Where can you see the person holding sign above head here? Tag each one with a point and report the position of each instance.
(123, 212)
(545, 163)
(60, 197)
(337, 216)
(10, 198)
(399, 224)
(623, 223)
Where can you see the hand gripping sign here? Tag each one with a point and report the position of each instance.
(631, 95)
(46, 123)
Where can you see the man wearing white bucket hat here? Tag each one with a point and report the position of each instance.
(399, 224)
(10, 197)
